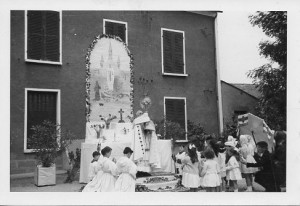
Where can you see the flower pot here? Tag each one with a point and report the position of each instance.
(45, 175)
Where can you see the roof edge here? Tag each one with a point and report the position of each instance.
(207, 13)
(240, 89)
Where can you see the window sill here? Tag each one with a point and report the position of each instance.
(181, 141)
(27, 151)
(174, 74)
(43, 62)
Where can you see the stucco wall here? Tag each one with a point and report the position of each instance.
(234, 99)
(144, 42)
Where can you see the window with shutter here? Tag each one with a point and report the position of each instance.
(175, 111)
(43, 36)
(40, 106)
(116, 28)
(173, 52)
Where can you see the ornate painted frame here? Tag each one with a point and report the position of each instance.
(88, 73)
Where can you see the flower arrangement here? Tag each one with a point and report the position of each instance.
(108, 119)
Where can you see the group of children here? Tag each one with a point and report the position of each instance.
(219, 164)
(106, 175)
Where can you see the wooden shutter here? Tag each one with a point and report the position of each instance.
(40, 106)
(52, 40)
(173, 52)
(116, 29)
(35, 34)
(175, 111)
(43, 36)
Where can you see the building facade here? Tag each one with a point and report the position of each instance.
(238, 99)
(174, 50)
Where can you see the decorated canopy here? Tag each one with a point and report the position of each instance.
(256, 127)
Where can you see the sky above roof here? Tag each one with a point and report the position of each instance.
(238, 46)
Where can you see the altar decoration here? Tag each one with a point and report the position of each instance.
(160, 183)
(107, 120)
(145, 103)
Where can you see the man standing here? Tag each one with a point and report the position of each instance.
(265, 177)
(145, 143)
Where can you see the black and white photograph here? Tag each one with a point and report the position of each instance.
(148, 100)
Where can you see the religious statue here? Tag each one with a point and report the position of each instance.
(97, 89)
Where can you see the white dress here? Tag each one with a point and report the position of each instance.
(93, 170)
(233, 169)
(222, 158)
(190, 173)
(247, 155)
(127, 170)
(93, 185)
(210, 173)
(105, 179)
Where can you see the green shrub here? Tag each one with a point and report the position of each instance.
(49, 141)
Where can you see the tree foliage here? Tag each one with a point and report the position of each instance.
(269, 79)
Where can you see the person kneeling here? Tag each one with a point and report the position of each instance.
(127, 170)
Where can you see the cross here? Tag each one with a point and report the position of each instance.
(121, 118)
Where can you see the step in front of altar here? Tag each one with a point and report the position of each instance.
(159, 183)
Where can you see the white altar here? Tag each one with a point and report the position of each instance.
(118, 137)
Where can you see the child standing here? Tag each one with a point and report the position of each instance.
(210, 172)
(190, 171)
(178, 159)
(247, 152)
(222, 156)
(233, 173)
(93, 169)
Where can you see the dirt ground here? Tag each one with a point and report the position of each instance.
(27, 185)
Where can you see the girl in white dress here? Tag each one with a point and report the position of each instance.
(215, 146)
(93, 169)
(247, 152)
(109, 169)
(127, 170)
(105, 179)
(190, 171)
(233, 173)
(210, 171)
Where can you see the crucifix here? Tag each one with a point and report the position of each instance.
(121, 117)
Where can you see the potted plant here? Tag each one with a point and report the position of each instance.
(196, 134)
(49, 142)
(169, 130)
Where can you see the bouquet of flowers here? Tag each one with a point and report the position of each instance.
(108, 119)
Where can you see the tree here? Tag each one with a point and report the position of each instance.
(270, 79)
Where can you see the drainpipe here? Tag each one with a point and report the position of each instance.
(219, 96)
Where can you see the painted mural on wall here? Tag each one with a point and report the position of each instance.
(109, 80)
